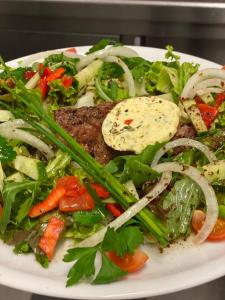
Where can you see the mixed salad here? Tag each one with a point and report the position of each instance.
(111, 151)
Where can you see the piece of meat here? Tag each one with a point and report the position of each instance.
(183, 131)
(84, 124)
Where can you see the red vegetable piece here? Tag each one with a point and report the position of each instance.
(208, 113)
(77, 203)
(128, 121)
(47, 71)
(115, 209)
(50, 203)
(67, 81)
(55, 75)
(72, 50)
(1, 209)
(43, 87)
(219, 99)
(29, 74)
(40, 67)
(71, 184)
(51, 236)
(100, 190)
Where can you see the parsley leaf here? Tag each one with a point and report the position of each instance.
(123, 241)
(84, 266)
(7, 153)
(109, 272)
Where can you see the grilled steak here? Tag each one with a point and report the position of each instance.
(84, 124)
(183, 131)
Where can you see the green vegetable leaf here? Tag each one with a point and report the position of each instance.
(7, 153)
(122, 241)
(101, 45)
(181, 201)
(84, 266)
(42, 260)
(170, 55)
(109, 272)
(88, 217)
(56, 167)
(138, 66)
(24, 209)
(22, 248)
(10, 191)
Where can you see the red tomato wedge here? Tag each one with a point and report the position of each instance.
(115, 209)
(129, 263)
(208, 113)
(76, 203)
(71, 184)
(43, 87)
(51, 236)
(29, 74)
(47, 71)
(128, 121)
(55, 75)
(219, 99)
(67, 81)
(50, 203)
(72, 50)
(218, 233)
(100, 190)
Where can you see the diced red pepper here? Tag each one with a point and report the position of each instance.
(71, 184)
(1, 209)
(29, 74)
(100, 190)
(67, 81)
(72, 50)
(115, 209)
(40, 67)
(219, 99)
(51, 236)
(50, 203)
(57, 74)
(76, 203)
(47, 71)
(43, 87)
(128, 121)
(208, 113)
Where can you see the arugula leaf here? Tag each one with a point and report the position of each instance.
(101, 45)
(88, 217)
(110, 70)
(42, 259)
(84, 266)
(109, 272)
(59, 91)
(24, 209)
(181, 201)
(7, 153)
(10, 191)
(56, 167)
(22, 248)
(122, 241)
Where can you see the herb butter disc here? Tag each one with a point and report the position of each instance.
(136, 123)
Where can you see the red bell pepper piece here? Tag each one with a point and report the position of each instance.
(100, 190)
(55, 75)
(208, 113)
(47, 71)
(51, 236)
(71, 184)
(72, 50)
(67, 81)
(40, 67)
(43, 87)
(115, 209)
(29, 74)
(50, 203)
(219, 99)
(128, 121)
(79, 202)
(1, 209)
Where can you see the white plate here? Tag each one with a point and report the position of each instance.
(178, 268)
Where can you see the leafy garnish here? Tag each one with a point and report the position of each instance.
(101, 45)
(7, 153)
(123, 241)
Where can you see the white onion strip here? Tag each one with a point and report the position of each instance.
(209, 90)
(28, 138)
(210, 197)
(32, 83)
(115, 51)
(127, 74)
(189, 89)
(96, 238)
(183, 142)
(16, 123)
(215, 82)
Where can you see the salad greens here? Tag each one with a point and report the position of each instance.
(51, 186)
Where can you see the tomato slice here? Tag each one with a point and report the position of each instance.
(72, 50)
(218, 233)
(219, 99)
(67, 81)
(55, 75)
(76, 203)
(71, 184)
(129, 263)
(115, 209)
(43, 87)
(208, 113)
(100, 190)
(29, 74)
(51, 236)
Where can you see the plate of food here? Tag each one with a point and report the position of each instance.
(112, 172)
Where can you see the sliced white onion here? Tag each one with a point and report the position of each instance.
(215, 82)
(127, 74)
(115, 51)
(37, 56)
(208, 90)
(210, 197)
(28, 138)
(17, 123)
(187, 143)
(129, 213)
(85, 100)
(70, 54)
(189, 89)
(32, 83)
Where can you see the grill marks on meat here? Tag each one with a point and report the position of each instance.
(84, 124)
